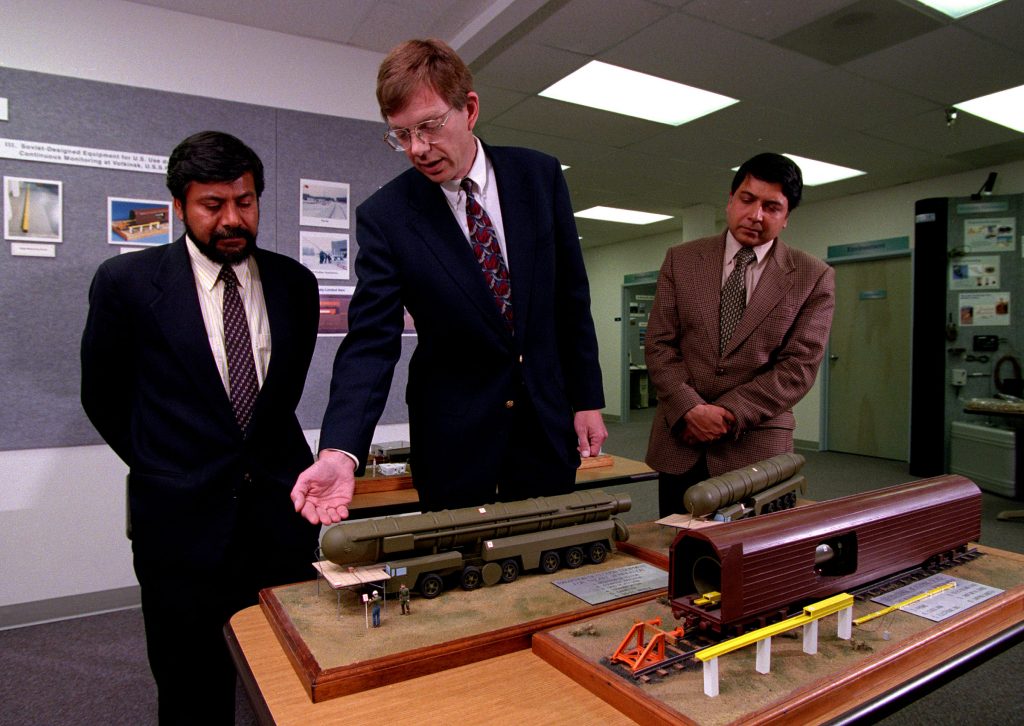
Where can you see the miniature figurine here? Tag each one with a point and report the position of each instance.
(403, 598)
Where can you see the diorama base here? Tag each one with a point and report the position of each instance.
(799, 688)
(335, 651)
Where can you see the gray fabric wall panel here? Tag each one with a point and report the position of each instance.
(43, 301)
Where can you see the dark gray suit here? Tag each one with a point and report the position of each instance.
(472, 384)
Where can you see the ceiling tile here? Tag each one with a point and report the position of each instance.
(858, 29)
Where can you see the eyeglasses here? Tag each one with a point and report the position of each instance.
(427, 132)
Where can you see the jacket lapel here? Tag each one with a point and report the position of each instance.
(519, 221)
(708, 288)
(432, 221)
(176, 312)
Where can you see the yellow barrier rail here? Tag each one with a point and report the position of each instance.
(814, 611)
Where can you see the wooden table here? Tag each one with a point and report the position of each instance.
(404, 498)
(518, 688)
(522, 688)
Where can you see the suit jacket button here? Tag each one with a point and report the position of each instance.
(720, 371)
(510, 404)
(247, 478)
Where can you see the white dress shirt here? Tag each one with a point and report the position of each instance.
(211, 302)
(753, 272)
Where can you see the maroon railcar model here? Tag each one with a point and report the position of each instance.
(766, 566)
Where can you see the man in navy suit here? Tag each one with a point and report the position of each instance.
(208, 489)
(503, 395)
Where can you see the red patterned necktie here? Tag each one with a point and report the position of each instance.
(484, 241)
(734, 297)
(238, 345)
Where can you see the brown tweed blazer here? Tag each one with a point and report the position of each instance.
(770, 363)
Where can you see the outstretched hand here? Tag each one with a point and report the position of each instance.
(323, 492)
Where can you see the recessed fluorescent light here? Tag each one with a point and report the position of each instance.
(820, 172)
(620, 90)
(958, 8)
(627, 216)
(815, 173)
(1005, 108)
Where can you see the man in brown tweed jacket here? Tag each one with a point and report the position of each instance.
(725, 401)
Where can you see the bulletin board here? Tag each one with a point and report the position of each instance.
(44, 299)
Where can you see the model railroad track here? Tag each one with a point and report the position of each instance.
(675, 663)
(672, 664)
(880, 587)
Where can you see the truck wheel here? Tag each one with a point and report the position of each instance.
(573, 557)
(597, 552)
(431, 585)
(550, 561)
(471, 578)
(509, 570)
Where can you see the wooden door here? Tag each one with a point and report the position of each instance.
(869, 359)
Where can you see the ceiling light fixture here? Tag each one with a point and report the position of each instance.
(625, 216)
(1005, 108)
(620, 90)
(958, 8)
(815, 173)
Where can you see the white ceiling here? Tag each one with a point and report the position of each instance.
(860, 83)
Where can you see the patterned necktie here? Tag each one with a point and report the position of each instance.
(238, 345)
(734, 297)
(484, 241)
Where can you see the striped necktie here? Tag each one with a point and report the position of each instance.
(242, 379)
(734, 297)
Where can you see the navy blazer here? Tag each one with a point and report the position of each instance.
(152, 389)
(466, 365)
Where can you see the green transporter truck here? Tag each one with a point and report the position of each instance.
(483, 545)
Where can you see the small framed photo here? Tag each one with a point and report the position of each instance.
(33, 209)
(138, 222)
(325, 253)
(323, 204)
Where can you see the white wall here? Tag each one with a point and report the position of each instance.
(138, 45)
(813, 227)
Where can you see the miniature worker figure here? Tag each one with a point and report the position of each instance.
(730, 354)
(479, 244)
(403, 598)
(194, 357)
(375, 608)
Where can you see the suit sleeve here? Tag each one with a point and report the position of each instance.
(108, 364)
(366, 359)
(577, 338)
(666, 365)
(781, 386)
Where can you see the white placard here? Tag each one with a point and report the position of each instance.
(25, 249)
(81, 156)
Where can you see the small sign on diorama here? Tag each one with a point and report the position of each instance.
(944, 604)
(601, 587)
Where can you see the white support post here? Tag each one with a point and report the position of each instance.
(811, 637)
(763, 663)
(711, 677)
(845, 631)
